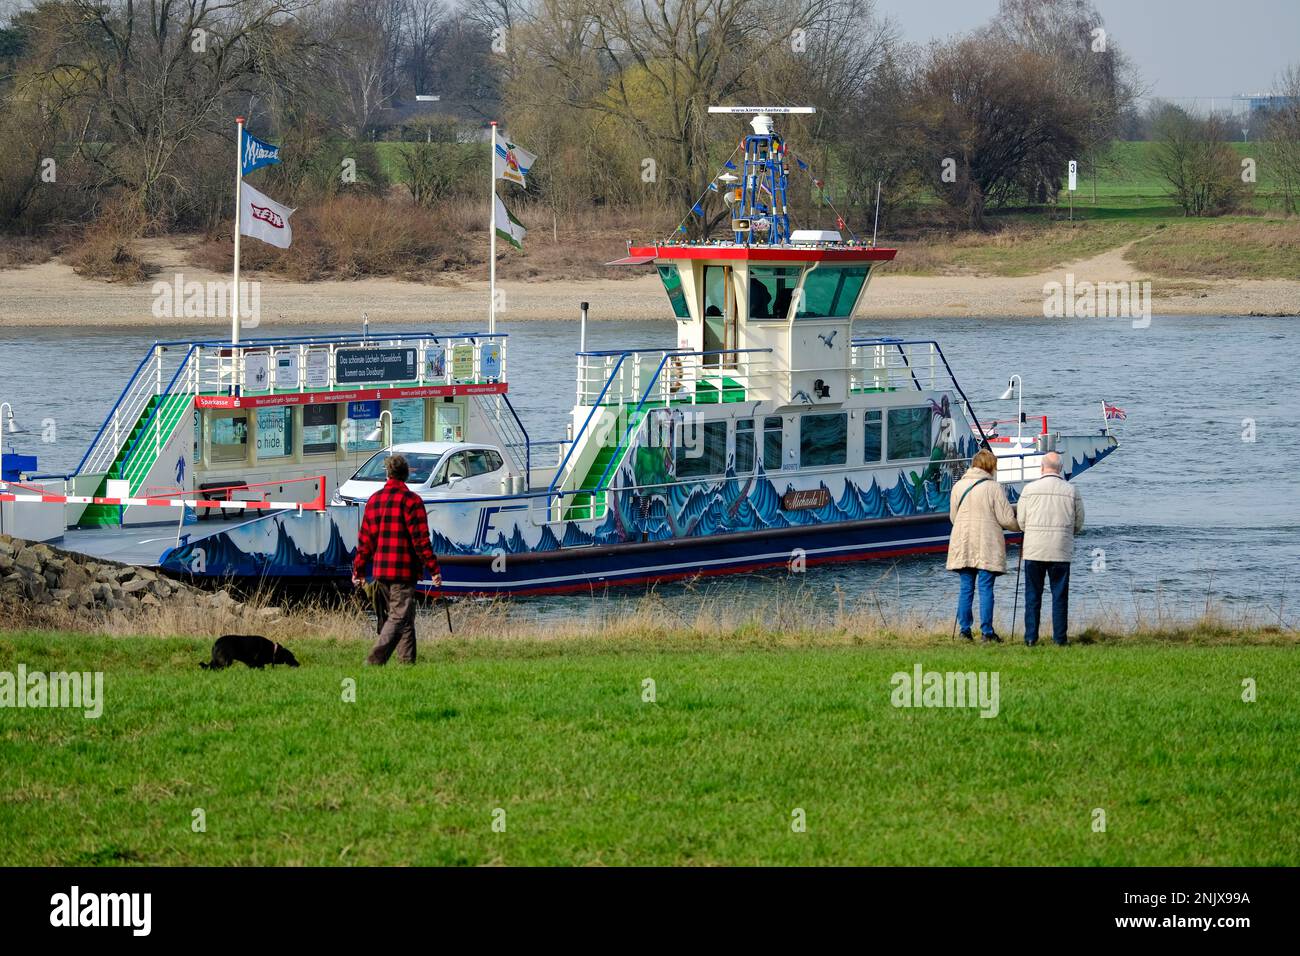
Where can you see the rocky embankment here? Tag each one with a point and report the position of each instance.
(39, 576)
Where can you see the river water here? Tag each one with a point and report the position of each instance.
(1201, 503)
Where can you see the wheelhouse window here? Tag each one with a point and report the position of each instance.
(672, 280)
(831, 292)
(823, 440)
(703, 451)
(873, 436)
(772, 443)
(274, 433)
(744, 446)
(771, 290)
(909, 433)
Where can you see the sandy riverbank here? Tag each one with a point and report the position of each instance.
(51, 294)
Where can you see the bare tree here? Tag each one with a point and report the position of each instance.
(1089, 63)
(1193, 156)
(996, 121)
(363, 40)
(663, 62)
(151, 79)
(1282, 135)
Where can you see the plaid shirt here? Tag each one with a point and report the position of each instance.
(395, 535)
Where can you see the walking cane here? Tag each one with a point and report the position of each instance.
(1015, 604)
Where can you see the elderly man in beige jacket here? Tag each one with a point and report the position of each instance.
(1050, 511)
(977, 549)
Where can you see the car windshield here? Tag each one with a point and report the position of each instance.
(422, 466)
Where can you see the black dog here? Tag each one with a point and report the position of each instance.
(252, 649)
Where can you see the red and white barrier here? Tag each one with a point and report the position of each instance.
(35, 496)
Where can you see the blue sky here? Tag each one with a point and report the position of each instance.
(1183, 48)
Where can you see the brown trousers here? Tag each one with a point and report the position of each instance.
(395, 610)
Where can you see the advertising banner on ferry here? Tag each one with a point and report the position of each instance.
(490, 360)
(257, 373)
(353, 366)
(435, 364)
(286, 370)
(318, 369)
(462, 363)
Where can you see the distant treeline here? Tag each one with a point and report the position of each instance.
(122, 110)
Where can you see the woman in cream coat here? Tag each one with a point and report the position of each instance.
(977, 550)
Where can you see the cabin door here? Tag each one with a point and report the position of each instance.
(720, 324)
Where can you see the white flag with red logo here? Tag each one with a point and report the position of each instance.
(264, 218)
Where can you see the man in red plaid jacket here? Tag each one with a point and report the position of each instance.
(394, 539)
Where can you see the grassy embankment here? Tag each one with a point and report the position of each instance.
(1131, 206)
(746, 727)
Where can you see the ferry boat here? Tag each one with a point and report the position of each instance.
(764, 435)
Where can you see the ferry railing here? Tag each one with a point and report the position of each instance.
(623, 376)
(625, 371)
(562, 472)
(511, 429)
(637, 419)
(889, 363)
(188, 368)
(144, 385)
(224, 365)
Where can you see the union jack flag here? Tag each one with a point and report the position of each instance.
(1114, 412)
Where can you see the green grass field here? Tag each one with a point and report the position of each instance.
(557, 735)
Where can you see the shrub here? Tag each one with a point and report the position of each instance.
(106, 248)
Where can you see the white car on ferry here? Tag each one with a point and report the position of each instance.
(438, 470)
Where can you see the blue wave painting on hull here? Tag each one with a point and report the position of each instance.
(290, 544)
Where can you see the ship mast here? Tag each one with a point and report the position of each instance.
(759, 210)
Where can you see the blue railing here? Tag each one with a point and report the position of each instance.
(899, 343)
(559, 472)
(634, 423)
(112, 411)
(191, 344)
(528, 445)
(144, 432)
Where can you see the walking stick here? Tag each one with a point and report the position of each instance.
(1015, 604)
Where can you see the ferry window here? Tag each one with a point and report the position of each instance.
(772, 442)
(830, 292)
(823, 440)
(320, 429)
(909, 433)
(770, 291)
(872, 437)
(355, 431)
(744, 446)
(228, 438)
(408, 419)
(703, 450)
(274, 433)
(672, 281)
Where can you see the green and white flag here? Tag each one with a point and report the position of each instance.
(508, 227)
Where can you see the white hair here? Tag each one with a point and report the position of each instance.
(1052, 463)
